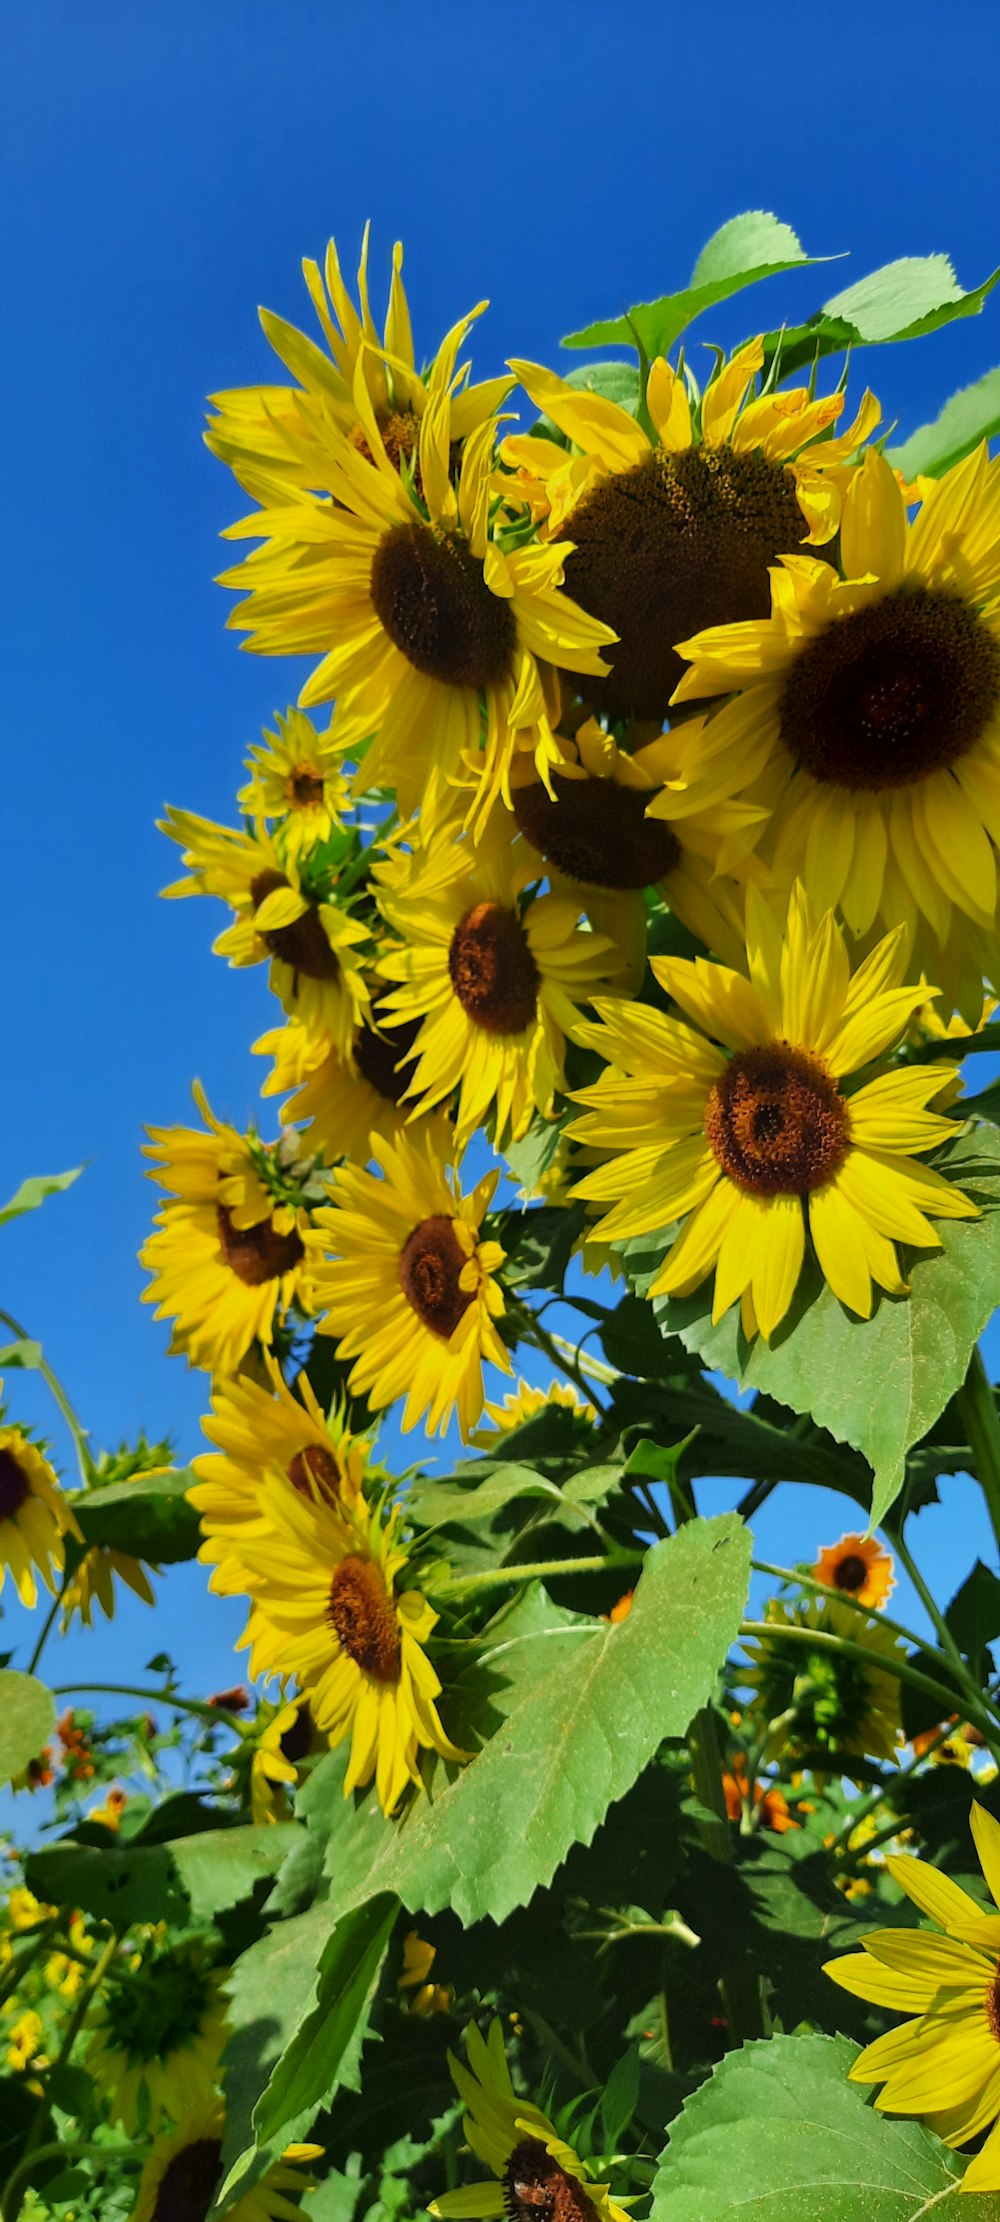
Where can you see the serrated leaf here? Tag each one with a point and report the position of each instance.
(778, 2131)
(904, 299)
(148, 1516)
(221, 1867)
(325, 2051)
(119, 1884)
(27, 1717)
(599, 1700)
(434, 1503)
(742, 252)
(35, 1191)
(971, 415)
(878, 1384)
(974, 1613)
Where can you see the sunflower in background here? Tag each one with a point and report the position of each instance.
(93, 1580)
(35, 1516)
(256, 1426)
(340, 1100)
(534, 2171)
(859, 1566)
(754, 1144)
(674, 533)
(525, 1402)
(820, 1699)
(406, 1285)
(228, 1252)
(183, 2171)
(298, 779)
(158, 2034)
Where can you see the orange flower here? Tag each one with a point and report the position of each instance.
(76, 1750)
(772, 1801)
(860, 1567)
(621, 1610)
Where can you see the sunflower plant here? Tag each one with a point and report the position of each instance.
(623, 894)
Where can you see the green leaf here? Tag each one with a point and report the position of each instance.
(34, 1192)
(596, 1700)
(221, 1867)
(27, 1717)
(778, 2132)
(24, 1355)
(148, 1516)
(434, 1503)
(974, 1613)
(536, 1243)
(905, 299)
(971, 415)
(119, 1884)
(745, 250)
(617, 382)
(326, 2050)
(621, 2097)
(878, 1384)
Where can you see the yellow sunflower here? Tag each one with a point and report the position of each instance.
(671, 534)
(494, 980)
(298, 779)
(340, 1101)
(739, 1124)
(329, 1607)
(158, 2035)
(282, 435)
(93, 1583)
(820, 1698)
(535, 2172)
(227, 1257)
(859, 1565)
(407, 1286)
(316, 948)
(418, 1959)
(182, 2174)
(255, 1427)
(420, 618)
(35, 1517)
(944, 2064)
(286, 1737)
(525, 1402)
(876, 695)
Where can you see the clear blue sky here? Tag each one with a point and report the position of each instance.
(164, 170)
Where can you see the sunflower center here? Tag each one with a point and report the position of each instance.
(303, 944)
(598, 832)
(430, 1268)
(304, 787)
(364, 1620)
(257, 1254)
(993, 2005)
(314, 1472)
(381, 1059)
(850, 1572)
(676, 543)
(893, 693)
(187, 2186)
(429, 593)
(14, 1486)
(158, 2009)
(776, 1121)
(492, 970)
(536, 2189)
(400, 429)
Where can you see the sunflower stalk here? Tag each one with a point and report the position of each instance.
(977, 1405)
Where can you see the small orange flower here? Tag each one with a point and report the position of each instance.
(860, 1567)
(110, 1812)
(772, 1801)
(76, 1750)
(621, 1610)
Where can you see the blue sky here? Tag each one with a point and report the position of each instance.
(164, 170)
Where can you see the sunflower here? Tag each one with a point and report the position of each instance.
(877, 697)
(35, 1517)
(859, 1565)
(675, 533)
(420, 617)
(768, 1804)
(494, 981)
(288, 1735)
(275, 436)
(535, 2172)
(255, 1427)
(158, 2035)
(181, 2176)
(944, 2064)
(298, 779)
(525, 1402)
(406, 1284)
(316, 948)
(821, 1699)
(328, 1607)
(418, 1959)
(228, 1255)
(93, 1580)
(340, 1100)
(739, 1125)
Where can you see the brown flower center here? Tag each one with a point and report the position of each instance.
(429, 593)
(536, 2189)
(776, 1121)
(364, 1620)
(597, 832)
(187, 2186)
(492, 970)
(15, 1487)
(993, 2005)
(430, 1265)
(380, 1054)
(899, 690)
(314, 1472)
(850, 1572)
(256, 1254)
(674, 544)
(304, 787)
(303, 944)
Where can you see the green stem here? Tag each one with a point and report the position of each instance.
(979, 1700)
(33, 2141)
(531, 1330)
(193, 1705)
(540, 1570)
(857, 1857)
(47, 1626)
(740, 1985)
(884, 1661)
(594, 1367)
(41, 1941)
(977, 1405)
(17, 2183)
(970, 1690)
(59, 1397)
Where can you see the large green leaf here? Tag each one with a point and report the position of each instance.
(595, 1701)
(970, 416)
(27, 1716)
(878, 1384)
(35, 1191)
(191, 1877)
(325, 2051)
(434, 1503)
(745, 250)
(220, 1867)
(148, 1516)
(778, 2134)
